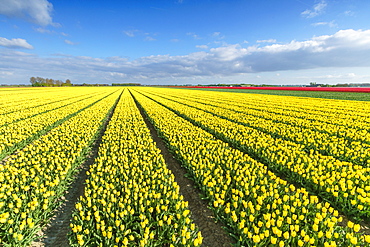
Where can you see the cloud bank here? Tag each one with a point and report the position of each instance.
(15, 43)
(345, 48)
(36, 11)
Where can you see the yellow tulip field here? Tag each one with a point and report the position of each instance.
(259, 207)
(344, 183)
(274, 170)
(19, 127)
(35, 177)
(131, 198)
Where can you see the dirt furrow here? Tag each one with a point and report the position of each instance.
(55, 234)
(213, 233)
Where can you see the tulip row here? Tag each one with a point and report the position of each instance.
(17, 135)
(33, 180)
(323, 174)
(259, 208)
(347, 119)
(288, 128)
(15, 100)
(352, 125)
(344, 184)
(131, 198)
(343, 112)
(41, 106)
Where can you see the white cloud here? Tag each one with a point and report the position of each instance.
(6, 73)
(331, 24)
(131, 33)
(15, 43)
(47, 31)
(36, 11)
(317, 9)
(148, 38)
(343, 49)
(42, 30)
(267, 41)
(349, 13)
(70, 42)
(229, 53)
(202, 46)
(139, 33)
(338, 76)
(195, 36)
(218, 35)
(117, 74)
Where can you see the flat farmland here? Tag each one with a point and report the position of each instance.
(147, 166)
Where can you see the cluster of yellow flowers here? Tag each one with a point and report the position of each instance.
(33, 180)
(46, 102)
(343, 183)
(341, 115)
(325, 114)
(17, 134)
(12, 99)
(131, 198)
(323, 139)
(259, 208)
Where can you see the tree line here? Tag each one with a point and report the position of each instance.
(126, 84)
(46, 82)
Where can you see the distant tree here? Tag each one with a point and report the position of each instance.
(58, 83)
(67, 83)
(33, 81)
(37, 81)
(342, 85)
(40, 81)
(47, 82)
(126, 84)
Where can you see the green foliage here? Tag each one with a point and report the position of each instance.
(46, 82)
(126, 84)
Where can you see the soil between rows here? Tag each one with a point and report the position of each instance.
(213, 233)
(55, 233)
(365, 224)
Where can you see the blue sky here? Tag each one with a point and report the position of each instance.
(186, 41)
